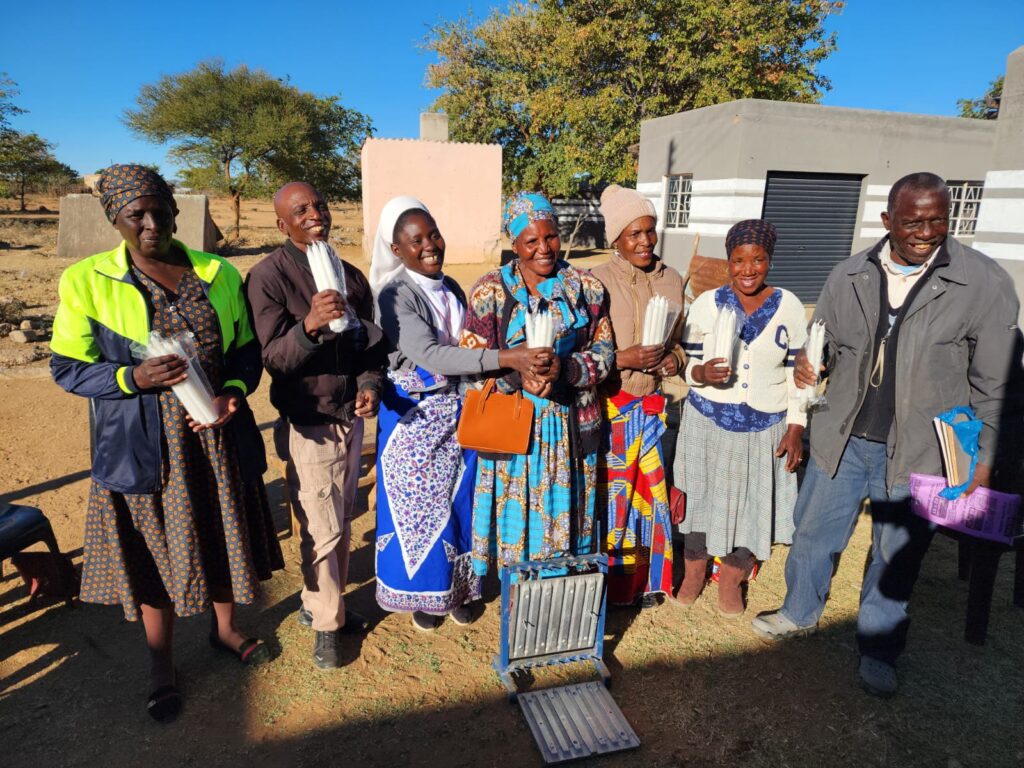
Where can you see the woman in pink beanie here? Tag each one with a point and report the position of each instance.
(631, 473)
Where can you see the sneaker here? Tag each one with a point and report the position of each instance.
(425, 622)
(355, 624)
(462, 615)
(325, 650)
(775, 626)
(877, 677)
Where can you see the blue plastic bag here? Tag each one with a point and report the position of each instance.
(967, 433)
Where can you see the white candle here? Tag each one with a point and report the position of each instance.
(815, 349)
(328, 275)
(540, 329)
(725, 332)
(193, 393)
(648, 320)
(655, 319)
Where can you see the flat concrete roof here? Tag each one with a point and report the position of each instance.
(757, 108)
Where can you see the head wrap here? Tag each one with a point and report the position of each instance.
(620, 206)
(752, 232)
(384, 265)
(121, 184)
(523, 208)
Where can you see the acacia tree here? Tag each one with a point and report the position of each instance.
(8, 90)
(252, 128)
(563, 85)
(26, 160)
(987, 107)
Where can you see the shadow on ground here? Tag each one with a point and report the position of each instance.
(697, 689)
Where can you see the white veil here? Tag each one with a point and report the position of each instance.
(384, 265)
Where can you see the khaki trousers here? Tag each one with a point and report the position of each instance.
(323, 472)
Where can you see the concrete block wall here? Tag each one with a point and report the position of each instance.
(459, 183)
(84, 229)
(1000, 231)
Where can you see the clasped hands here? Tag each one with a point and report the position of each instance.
(539, 367)
(651, 358)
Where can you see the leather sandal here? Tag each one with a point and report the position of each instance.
(251, 652)
(164, 704)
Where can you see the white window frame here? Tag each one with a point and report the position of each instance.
(678, 201)
(964, 205)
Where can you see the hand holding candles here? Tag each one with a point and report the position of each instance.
(540, 334)
(190, 385)
(814, 352)
(725, 333)
(728, 325)
(329, 275)
(659, 319)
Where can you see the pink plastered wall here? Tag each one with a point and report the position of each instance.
(459, 183)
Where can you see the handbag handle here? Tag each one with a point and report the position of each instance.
(489, 388)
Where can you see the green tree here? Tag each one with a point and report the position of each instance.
(8, 90)
(987, 107)
(253, 128)
(27, 160)
(563, 85)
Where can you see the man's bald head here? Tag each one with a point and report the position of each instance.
(302, 213)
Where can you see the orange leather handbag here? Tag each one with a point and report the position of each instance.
(495, 423)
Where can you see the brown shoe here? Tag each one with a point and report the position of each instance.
(730, 589)
(694, 578)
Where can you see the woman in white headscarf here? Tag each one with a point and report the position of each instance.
(424, 478)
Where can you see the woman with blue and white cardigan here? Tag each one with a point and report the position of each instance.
(741, 436)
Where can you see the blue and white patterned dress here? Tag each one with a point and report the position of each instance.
(424, 497)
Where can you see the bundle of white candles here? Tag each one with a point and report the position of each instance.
(659, 318)
(815, 349)
(329, 275)
(194, 392)
(726, 331)
(540, 330)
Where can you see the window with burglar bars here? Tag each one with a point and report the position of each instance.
(677, 201)
(964, 203)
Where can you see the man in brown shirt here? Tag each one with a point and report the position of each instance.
(323, 384)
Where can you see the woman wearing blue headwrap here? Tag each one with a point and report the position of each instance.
(541, 505)
(424, 479)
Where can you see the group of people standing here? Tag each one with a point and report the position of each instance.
(178, 519)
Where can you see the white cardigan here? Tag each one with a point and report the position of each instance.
(761, 388)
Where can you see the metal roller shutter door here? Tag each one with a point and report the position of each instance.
(815, 214)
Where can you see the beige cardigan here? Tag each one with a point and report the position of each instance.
(629, 290)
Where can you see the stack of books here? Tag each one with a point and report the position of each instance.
(955, 461)
(985, 513)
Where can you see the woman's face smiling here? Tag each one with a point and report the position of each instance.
(538, 247)
(420, 245)
(748, 268)
(147, 226)
(637, 241)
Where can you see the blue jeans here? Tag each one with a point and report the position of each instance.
(825, 516)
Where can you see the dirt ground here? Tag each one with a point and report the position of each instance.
(697, 689)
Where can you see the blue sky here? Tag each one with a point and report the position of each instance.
(79, 65)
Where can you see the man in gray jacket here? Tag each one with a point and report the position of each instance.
(915, 325)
